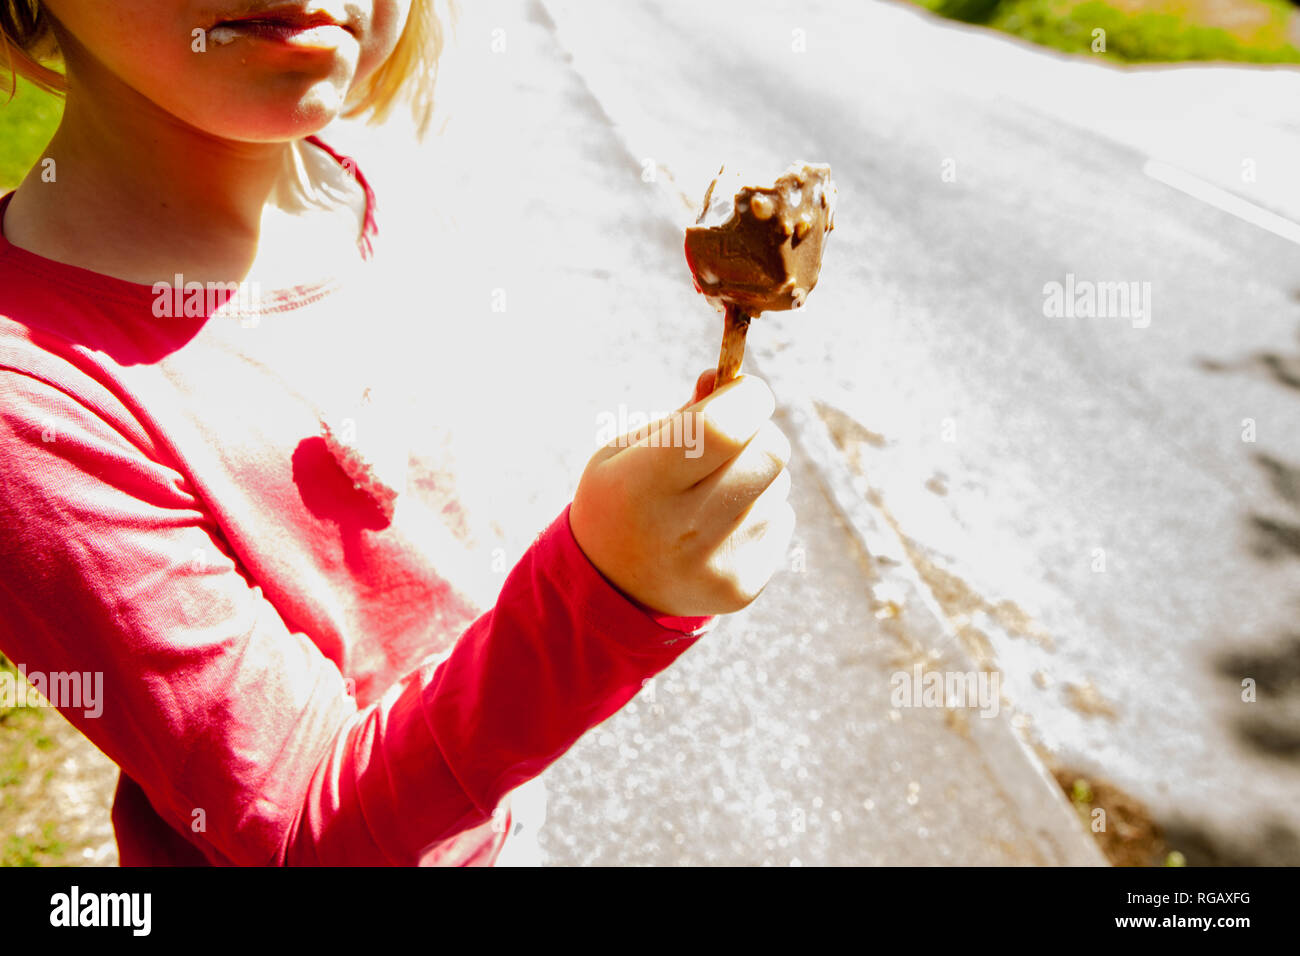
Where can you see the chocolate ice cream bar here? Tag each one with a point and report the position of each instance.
(766, 256)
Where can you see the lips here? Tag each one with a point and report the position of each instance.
(282, 19)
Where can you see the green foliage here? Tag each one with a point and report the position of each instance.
(968, 11)
(1143, 37)
(1140, 37)
(26, 124)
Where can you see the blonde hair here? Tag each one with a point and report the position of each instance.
(28, 43)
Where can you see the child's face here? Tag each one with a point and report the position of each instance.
(251, 88)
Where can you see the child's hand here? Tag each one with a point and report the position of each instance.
(689, 514)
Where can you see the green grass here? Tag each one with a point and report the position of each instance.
(28, 851)
(33, 742)
(1168, 31)
(20, 728)
(26, 124)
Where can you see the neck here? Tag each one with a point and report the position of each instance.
(170, 172)
(138, 193)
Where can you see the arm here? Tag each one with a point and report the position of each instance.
(109, 563)
(559, 653)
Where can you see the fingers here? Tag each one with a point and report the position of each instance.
(769, 524)
(693, 443)
(756, 550)
(692, 518)
(732, 488)
(733, 506)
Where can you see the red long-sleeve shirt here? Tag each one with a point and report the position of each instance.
(289, 675)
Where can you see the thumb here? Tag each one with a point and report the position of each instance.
(703, 387)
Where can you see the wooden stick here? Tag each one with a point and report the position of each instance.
(733, 344)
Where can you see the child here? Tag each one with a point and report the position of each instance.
(289, 675)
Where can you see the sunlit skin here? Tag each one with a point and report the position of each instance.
(172, 161)
(169, 160)
(689, 535)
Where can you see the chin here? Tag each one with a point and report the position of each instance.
(272, 120)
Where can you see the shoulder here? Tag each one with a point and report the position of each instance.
(46, 386)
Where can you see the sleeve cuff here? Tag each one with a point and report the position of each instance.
(639, 623)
